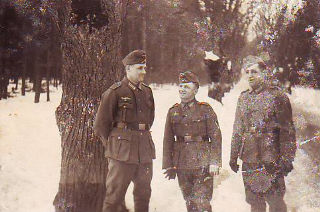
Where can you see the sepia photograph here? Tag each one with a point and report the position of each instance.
(159, 105)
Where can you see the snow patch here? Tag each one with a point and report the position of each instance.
(30, 154)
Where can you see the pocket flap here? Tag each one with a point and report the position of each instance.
(199, 118)
(125, 105)
(120, 134)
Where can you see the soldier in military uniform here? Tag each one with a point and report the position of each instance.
(192, 145)
(123, 121)
(264, 139)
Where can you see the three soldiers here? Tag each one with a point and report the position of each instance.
(264, 139)
(192, 145)
(123, 121)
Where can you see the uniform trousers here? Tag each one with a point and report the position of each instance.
(120, 175)
(197, 187)
(274, 196)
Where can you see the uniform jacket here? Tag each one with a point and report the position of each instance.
(263, 130)
(126, 103)
(195, 119)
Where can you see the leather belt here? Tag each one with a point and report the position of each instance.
(190, 138)
(133, 126)
(254, 129)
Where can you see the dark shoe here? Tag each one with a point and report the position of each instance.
(234, 166)
(170, 173)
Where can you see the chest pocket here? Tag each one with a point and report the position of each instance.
(176, 123)
(125, 108)
(125, 102)
(199, 125)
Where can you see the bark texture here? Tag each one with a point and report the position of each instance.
(91, 63)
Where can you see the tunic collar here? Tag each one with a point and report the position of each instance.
(132, 85)
(188, 104)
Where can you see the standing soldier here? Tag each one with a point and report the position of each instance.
(192, 145)
(123, 121)
(264, 139)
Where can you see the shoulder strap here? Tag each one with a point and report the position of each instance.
(145, 84)
(203, 103)
(115, 85)
(175, 105)
(245, 91)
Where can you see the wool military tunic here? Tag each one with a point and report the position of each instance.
(263, 128)
(124, 117)
(192, 137)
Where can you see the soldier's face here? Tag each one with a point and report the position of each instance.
(136, 72)
(187, 91)
(255, 76)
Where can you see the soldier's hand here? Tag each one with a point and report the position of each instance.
(214, 170)
(234, 166)
(171, 173)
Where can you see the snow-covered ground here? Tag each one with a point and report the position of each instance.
(30, 155)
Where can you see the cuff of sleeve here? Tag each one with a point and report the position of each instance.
(216, 163)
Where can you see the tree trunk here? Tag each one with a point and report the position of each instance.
(2, 78)
(16, 81)
(55, 82)
(48, 75)
(37, 80)
(91, 63)
(24, 70)
(6, 84)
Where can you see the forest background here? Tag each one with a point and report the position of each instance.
(80, 43)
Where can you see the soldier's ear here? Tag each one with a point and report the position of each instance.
(196, 90)
(127, 68)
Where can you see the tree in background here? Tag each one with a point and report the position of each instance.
(10, 45)
(30, 44)
(91, 64)
(293, 42)
(175, 34)
(228, 24)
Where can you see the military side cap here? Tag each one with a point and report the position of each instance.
(188, 76)
(135, 57)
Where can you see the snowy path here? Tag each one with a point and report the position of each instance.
(30, 156)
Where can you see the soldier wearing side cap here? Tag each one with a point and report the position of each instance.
(264, 139)
(123, 123)
(192, 145)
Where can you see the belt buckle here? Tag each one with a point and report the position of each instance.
(187, 138)
(252, 129)
(122, 125)
(142, 126)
